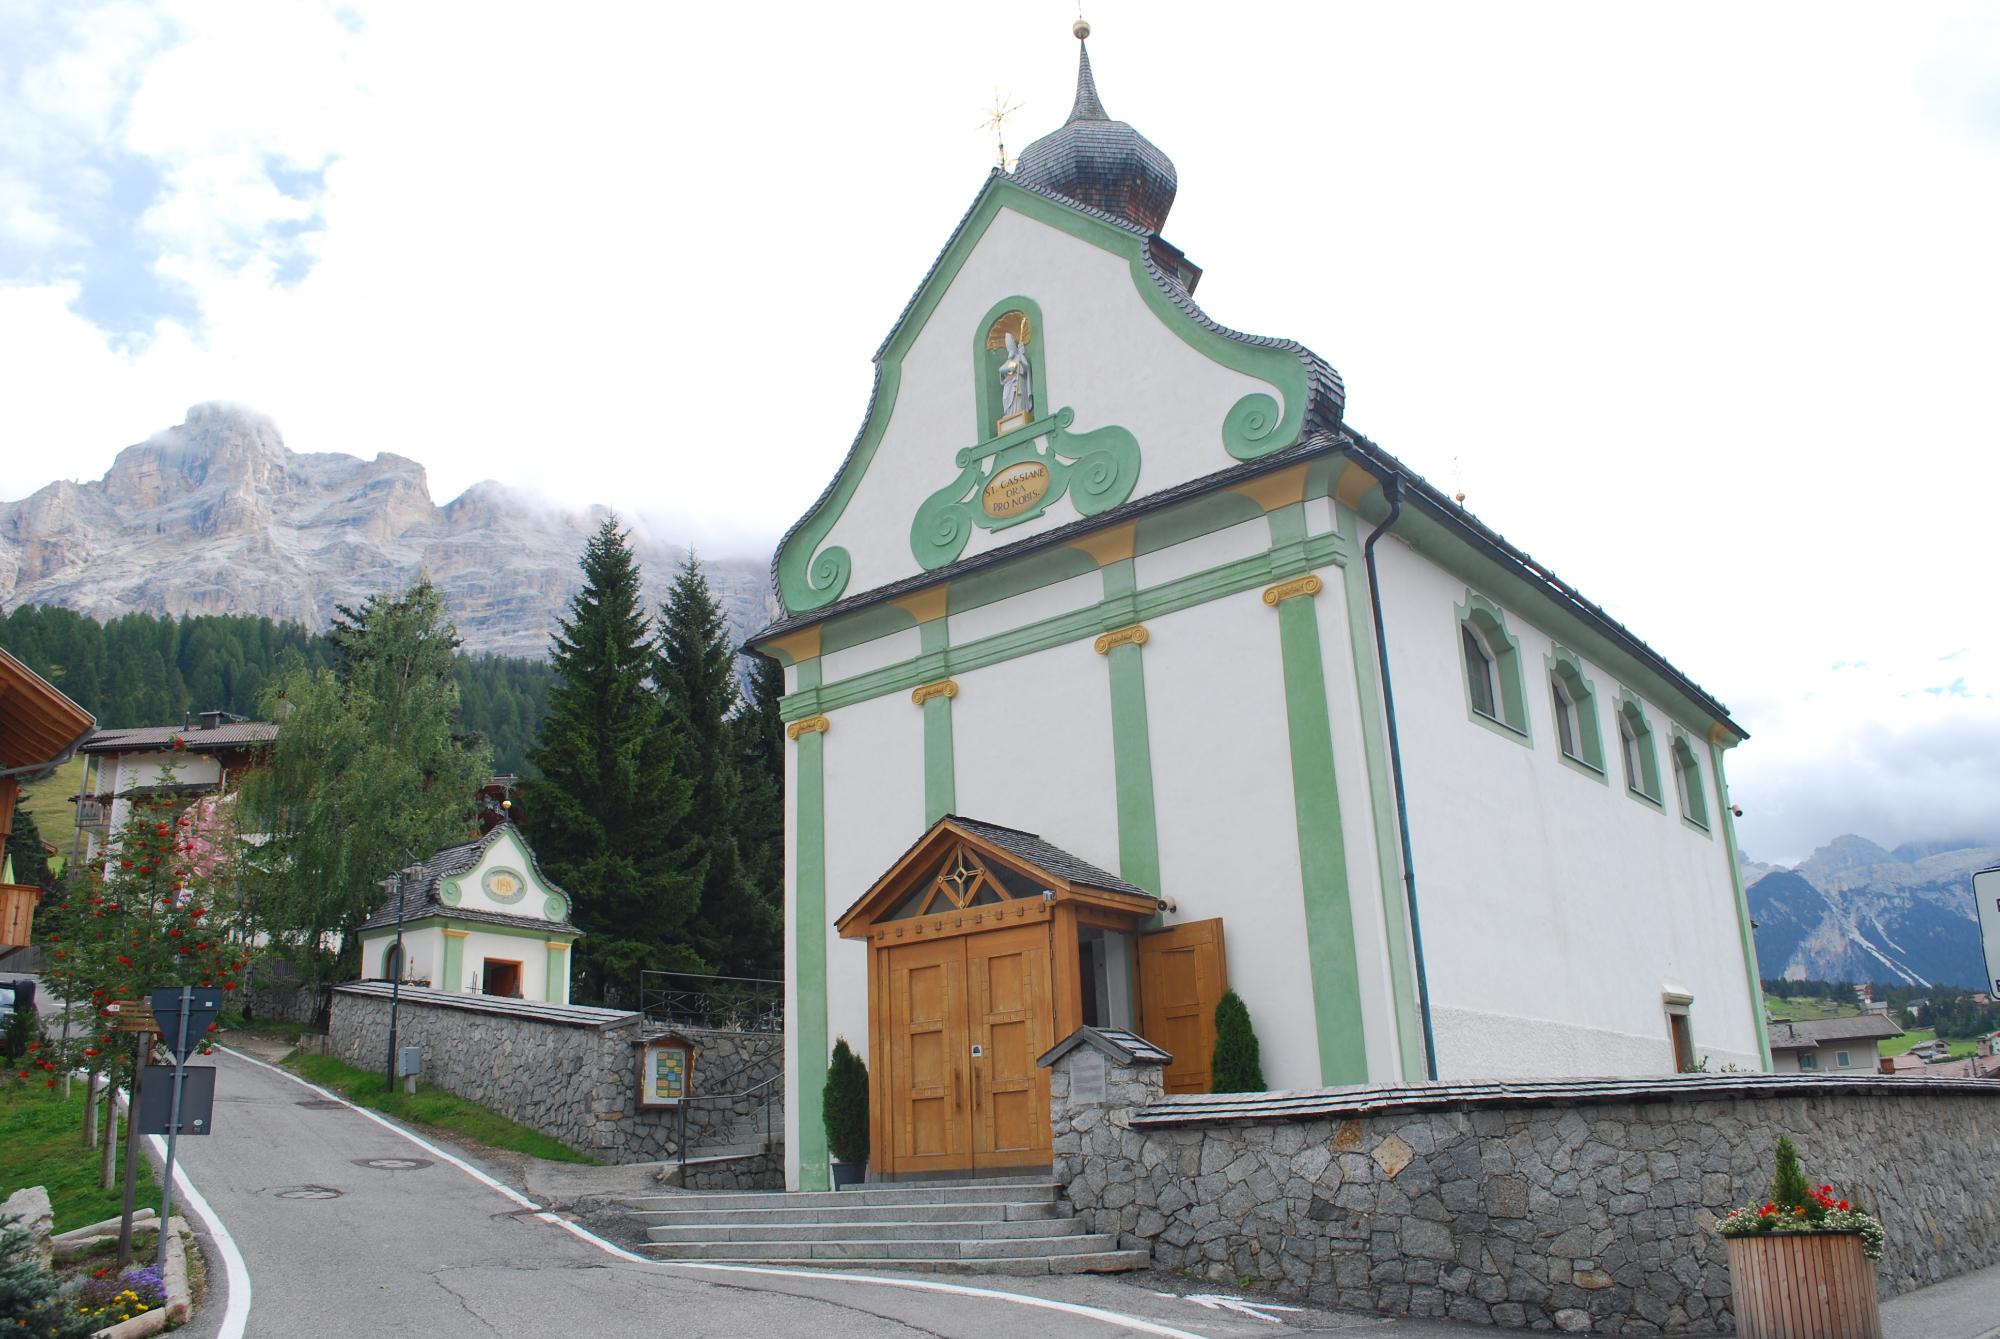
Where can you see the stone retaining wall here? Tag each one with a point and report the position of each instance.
(568, 1071)
(1486, 1204)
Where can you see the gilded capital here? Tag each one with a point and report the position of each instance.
(942, 688)
(1136, 635)
(811, 725)
(1285, 590)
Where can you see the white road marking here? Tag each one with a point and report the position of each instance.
(1133, 1323)
(1241, 1306)
(237, 1314)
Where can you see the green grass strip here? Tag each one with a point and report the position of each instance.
(41, 1144)
(432, 1108)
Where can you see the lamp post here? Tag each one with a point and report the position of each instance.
(395, 884)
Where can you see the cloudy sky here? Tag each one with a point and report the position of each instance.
(1700, 304)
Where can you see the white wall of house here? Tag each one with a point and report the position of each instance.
(423, 954)
(121, 773)
(1557, 910)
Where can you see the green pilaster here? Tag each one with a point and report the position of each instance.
(1382, 809)
(454, 963)
(1132, 747)
(1343, 1051)
(940, 774)
(809, 946)
(1728, 820)
(558, 971)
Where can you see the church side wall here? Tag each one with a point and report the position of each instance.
(874, 809)
(1557, 909)
(1229, 843)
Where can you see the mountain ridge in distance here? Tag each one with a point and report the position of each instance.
(1853, 911)
(218, 516)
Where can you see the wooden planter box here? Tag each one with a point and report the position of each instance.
(1803, 1285)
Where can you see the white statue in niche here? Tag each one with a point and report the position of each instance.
(1017, 386)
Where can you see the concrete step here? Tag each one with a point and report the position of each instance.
(980, 1192)
(945, 1230)
(858, 1214)
(1020, 1248)
(1099, 1262)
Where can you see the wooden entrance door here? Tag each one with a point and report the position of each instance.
(1011, 1024)
(1182, 976)
(928, 1127)
(967, 1016)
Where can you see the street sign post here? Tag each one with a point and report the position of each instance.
(1986, 893)
(185, 1013)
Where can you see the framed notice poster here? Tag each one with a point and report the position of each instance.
(1986, 892)
(666, 1070)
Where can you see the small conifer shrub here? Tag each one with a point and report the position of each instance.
(845, 1103)
(1236, 1066)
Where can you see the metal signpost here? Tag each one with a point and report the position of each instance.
(184, 1012)
(1986, 894)
(395, 885)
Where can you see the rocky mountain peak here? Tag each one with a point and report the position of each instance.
(218, 515)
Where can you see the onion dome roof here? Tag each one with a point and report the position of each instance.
(1100, 162)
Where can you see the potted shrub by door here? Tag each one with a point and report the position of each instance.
(845, 1103)
(1802, 1263)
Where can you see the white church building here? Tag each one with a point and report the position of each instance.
(1121, 670)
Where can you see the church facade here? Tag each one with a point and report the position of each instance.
(1121, 671)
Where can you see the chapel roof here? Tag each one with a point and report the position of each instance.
(422, 883)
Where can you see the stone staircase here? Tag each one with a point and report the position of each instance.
(1011, 1226)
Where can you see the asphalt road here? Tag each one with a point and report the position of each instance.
(346, 1227)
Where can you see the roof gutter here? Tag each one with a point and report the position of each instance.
(1392, 489)
(35, 769)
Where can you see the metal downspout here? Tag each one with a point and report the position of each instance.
(1392, 489)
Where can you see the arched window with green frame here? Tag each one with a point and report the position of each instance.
(1636, 750)
(1490, 658)
(1573, 703)
(1687, 780)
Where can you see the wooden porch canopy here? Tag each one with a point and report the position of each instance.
(965, 875)
(39, 729)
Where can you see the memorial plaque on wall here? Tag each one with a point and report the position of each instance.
(1086, 1076)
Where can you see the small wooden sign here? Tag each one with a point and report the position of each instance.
(135, 1016)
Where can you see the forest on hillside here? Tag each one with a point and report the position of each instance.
(143, 669)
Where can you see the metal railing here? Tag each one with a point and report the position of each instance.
(751, 1091)
(725, 1003)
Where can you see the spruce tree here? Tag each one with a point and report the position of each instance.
(1236, 1066)
(758, 736)
(30, 1304)
(736, 927)
(609, 807)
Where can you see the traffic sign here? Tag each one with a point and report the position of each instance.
(156, 1100)
(203, 1004)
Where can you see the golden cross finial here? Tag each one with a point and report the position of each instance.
(996, 121)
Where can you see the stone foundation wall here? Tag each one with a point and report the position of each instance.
(565, 1070)
(285, 1005)
(1580, 1214)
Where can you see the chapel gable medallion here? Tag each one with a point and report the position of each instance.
(1024, 459)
